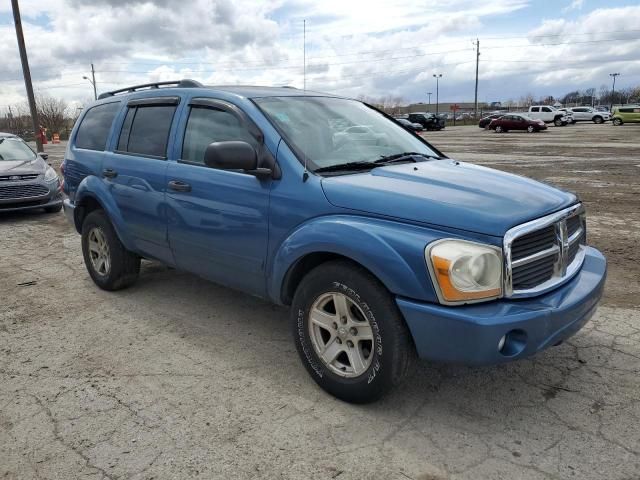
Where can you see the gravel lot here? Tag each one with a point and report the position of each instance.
(179, 378)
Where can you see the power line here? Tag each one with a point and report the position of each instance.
(243, 67)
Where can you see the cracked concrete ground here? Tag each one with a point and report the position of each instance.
(178, 378)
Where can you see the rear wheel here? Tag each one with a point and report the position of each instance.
(349, 332)
(499, 129)
(110, 265)
(598, 119)
(617, 121)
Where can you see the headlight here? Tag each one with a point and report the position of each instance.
(50, 175)
(464, 272)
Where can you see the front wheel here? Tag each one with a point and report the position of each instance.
(617, 122)
(349, 332)
(111, 266)
(558, 122)
(598, 120)
(531, 129)
(499, 129)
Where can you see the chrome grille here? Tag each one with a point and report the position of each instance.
(16, 192)
(17, 178)
(544, 253)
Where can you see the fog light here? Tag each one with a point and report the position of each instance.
(501, 343)
(513, 343)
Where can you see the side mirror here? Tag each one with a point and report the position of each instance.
(231, 155)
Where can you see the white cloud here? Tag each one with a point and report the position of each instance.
(574, 5)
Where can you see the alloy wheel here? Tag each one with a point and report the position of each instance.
(99, 251)
(341, 334)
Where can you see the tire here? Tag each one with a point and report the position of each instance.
(531, 129)
(617, 122)
(372, 310)
(499, 129)
(558, 122)
(121, 268)
(598, 120)
(54, 209)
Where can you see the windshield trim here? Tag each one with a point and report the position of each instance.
(300, 155)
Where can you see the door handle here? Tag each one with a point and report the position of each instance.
(179, 186)
(109, 173)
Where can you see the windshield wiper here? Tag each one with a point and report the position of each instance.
(403, 157)
(349, 166)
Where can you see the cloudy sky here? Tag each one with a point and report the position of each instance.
(354, 47)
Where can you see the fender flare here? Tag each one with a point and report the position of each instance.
(93, 187)
(393, 252)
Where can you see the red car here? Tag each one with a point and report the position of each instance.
(516, 122)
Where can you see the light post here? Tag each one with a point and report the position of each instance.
(613, 90)
(429, 93)
(95, 93)
(92, 80)
(437, 77)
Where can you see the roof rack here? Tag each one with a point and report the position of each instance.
(185, 83)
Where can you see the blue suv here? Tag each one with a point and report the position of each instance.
(384, 248)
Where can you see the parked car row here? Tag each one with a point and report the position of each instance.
(428, 121)
(539, 116)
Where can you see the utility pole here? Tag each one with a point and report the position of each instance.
(475, 110)
(92, 81)
(437, 77)
(26, 73)
(10, 121)
(613, 91)
(93, 75)
(429, 93)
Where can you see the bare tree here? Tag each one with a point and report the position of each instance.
(52, 113)
(527, 100)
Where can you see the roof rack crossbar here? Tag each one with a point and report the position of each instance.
(185, 83)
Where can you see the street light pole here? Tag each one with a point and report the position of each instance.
(437, 77)
(26, 73)
(613, 90)
(429, 93)
(92, 82)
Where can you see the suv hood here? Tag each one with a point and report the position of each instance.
(19, 167)
(449, 194)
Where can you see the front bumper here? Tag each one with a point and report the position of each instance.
(470, 334)
(53, 198)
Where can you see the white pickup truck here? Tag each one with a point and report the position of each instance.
(549, 114)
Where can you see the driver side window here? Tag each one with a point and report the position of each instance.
(207, 125)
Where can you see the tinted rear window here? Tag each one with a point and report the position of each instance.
(146, 131)
(94, 129)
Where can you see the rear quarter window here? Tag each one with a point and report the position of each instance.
(96, 124)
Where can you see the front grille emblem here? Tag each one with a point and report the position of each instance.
(563, 239)
(14, 177)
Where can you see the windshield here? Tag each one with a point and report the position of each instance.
(15, 149)
(334, 131)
